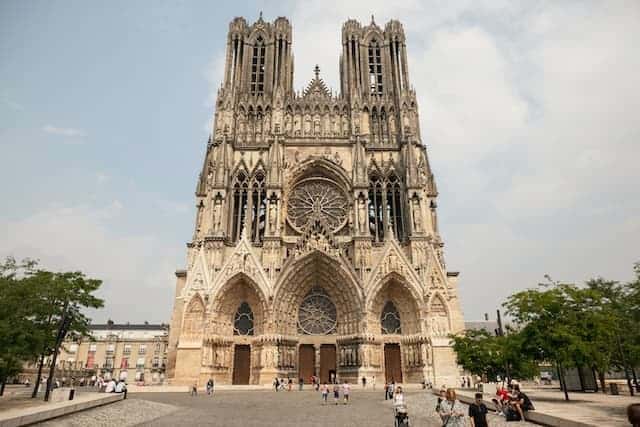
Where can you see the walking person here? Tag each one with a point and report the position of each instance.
(300, 383)
(386, 390)
(364, 382)
(452, 411)
(194, 389)
(210, 386)
(392, 387)
(373, 382)
(478, 412)
(346, 389)
(290, 382)
(336, 393)
(325, 393)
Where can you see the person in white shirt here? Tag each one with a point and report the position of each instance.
(346, 390)
(111, 386)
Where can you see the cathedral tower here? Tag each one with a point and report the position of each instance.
(316, 248)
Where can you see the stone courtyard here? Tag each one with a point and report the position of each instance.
(257, 408)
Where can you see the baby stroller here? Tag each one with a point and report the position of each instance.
(401, 417)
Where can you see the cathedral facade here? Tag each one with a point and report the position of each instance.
(316, 248)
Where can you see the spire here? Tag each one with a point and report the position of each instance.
(316, 71)
(373, 21)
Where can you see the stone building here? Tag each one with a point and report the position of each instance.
(137, 352)
(316, 247)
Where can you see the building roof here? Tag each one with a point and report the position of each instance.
(488, 325)
(128, 326)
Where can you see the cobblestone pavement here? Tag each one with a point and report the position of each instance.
(258, 408)
(125, 413)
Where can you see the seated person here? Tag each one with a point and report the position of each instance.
(501, 400)
(521, 401)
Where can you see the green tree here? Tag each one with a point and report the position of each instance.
(548, 317)
(20, 338)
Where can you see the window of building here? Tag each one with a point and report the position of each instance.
(390, 319)
(386, 206)
(111, 348)
(156, 362)
(257, 67)
(157, 347)
(376, 208)
(109, 362)
(127, 349)
(240, 189)
(243, 320)
(258, 208)
(93, 348)
(140, 363)
(375, 68)
(142, 349)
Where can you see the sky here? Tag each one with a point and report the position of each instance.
(530, 111)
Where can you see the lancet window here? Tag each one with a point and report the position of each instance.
(243, 320)
(240, 189)
(258, 208)
(390, 319)
(257, 67)
(375, 68)
(386, 206)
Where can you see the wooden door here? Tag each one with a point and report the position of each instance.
(327, 361)
(241, 364)
(306, 362)
(392, 364)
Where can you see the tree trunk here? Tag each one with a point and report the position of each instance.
(34, 393)
(635, 378)
(602, 383)
(563, 382)
(2, 384)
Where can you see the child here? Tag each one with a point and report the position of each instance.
(336, 392)
(325, 393)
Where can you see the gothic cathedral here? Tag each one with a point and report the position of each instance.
(316, 248)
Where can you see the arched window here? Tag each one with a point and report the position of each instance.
(239, 205)
(257, 67)
(258, 208)
(376, 208)
(317, 314)
(390, 319)
(394, 207)
(243, 320)
(375, 68)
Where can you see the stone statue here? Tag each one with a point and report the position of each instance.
(417, 216)
(272, 216)
(362, 216)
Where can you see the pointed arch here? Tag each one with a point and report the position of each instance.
(193, 319)
(316, 269)
(227, 300)
(395, 290)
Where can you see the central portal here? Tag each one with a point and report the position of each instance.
(392, 363)
(327, 363)
(241, 364)
(306, 362)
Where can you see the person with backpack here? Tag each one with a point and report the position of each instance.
(478, 412)
(521, 401)
(451, 410)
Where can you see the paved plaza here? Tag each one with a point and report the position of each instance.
(257, 408)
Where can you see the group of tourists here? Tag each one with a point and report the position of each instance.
(510, 403)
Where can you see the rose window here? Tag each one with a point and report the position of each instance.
(317, 314)
(317, 198)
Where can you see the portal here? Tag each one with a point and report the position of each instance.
(241, 364)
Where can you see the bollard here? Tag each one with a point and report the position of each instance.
(72, 393)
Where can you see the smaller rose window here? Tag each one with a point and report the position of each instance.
(317, 314)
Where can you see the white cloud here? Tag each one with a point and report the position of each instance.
(70, 132)
(136, 268)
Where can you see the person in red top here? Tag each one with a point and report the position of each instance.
(501, 400)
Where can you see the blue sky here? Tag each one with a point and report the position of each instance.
(529, 111)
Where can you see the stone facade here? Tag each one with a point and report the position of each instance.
(316, 247)
(137, 352)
